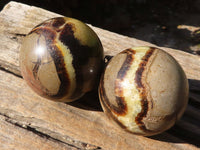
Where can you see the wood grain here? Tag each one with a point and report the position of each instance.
(45, 124)
(14, 137)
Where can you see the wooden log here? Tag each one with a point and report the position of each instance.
(14, 137)
(45, 124)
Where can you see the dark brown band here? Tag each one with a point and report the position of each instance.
(141, 88)
(58, 59)
(121, 108)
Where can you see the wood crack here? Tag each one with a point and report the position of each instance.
(16, 36)
(29, 124)
(3, 68)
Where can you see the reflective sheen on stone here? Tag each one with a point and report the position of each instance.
(61, 59)
(144, 90)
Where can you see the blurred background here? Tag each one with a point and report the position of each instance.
(168, 23)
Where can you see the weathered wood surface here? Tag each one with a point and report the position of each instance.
(28, 121)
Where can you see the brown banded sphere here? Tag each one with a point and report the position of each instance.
(61, 59)
(144, 90)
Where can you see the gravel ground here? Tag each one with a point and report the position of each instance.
(181, 31)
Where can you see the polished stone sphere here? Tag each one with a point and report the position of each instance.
(144, 90)
(61, 59)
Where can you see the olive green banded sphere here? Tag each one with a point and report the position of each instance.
(61, 59)
(144, 90)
